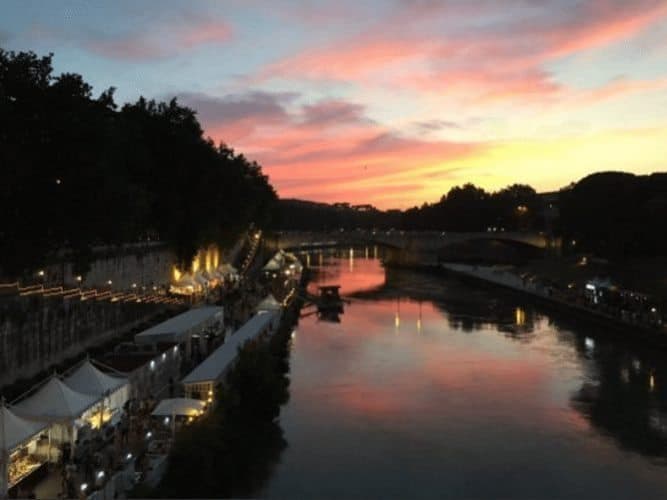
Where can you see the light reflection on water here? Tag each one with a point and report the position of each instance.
(431, 388)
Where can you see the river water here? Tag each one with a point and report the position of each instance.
(429, 387)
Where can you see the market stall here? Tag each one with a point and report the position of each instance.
(186, 285)
(179, 407)
(200, 383)
(21, 448)
(113, 392)
(66, 410)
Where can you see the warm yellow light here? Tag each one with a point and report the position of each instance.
(176, 273)
(195, 263)
(651, 382)
(79, 278)
(40, 273)
(520, 316)
(397, 320)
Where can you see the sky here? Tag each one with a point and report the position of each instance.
(387, 102)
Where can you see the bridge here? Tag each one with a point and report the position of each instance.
(407, 246)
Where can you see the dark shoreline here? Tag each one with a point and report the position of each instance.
(615, 327)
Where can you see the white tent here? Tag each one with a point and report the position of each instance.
(55, 402)
(186, 407)
(200, 279)
(269, 304)
(187, 280)
(180, 328)
(276, 263)
(14, 431)
(213, 368)
(87, 379)
(227, 268)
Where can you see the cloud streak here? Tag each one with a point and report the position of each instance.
(160, 38)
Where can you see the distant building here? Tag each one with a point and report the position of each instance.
(363, 208)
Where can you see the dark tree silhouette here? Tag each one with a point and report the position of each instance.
(76, 172)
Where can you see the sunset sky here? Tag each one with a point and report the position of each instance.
(384, 102)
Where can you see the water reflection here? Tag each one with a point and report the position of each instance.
(429, 387)
(622, 398)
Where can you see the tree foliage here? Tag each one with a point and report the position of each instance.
(78, 172)
(616, 215)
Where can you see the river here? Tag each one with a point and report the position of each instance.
(430, 387)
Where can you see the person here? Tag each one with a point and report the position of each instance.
(66, 453)
(124, 430)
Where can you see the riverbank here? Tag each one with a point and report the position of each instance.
(240, 440)
(503, 277)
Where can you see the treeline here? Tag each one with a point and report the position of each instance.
(77, 171)
(304, 215)
(616, 215)
(465, 208)
(471, 208)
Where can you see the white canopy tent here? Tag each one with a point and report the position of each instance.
(276, 263)
(181, 407)
(269, 304)
(180, 328)
(14, 431)
(203, 378)
(201, 280)
(55, 402)
(88, 379)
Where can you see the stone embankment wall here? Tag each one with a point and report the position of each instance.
(37, 332)
(144, 265)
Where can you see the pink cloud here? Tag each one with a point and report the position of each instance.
(329, 146)
(504, 60)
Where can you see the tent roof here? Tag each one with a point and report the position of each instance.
(276, 262)
(186, 280)
(227, 268)
(179, 406)
(213, 367)
(199, 278)
(55, 401)
(17, 430)
(269, 304)
(176, 329)
(87, 379)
